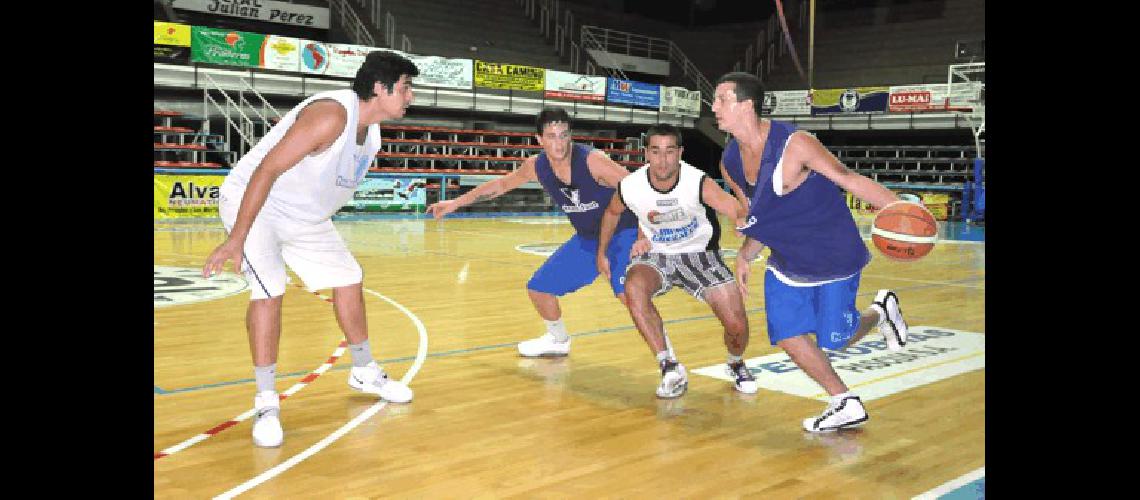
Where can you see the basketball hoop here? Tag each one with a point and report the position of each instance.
(966, 91)
(966, 95)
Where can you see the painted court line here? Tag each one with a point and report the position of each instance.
(421, 355)
(601, 331)
(953, 485)
(249, 413)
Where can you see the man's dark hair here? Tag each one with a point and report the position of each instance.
(748, 86)
(384, 67)
(663, 129)
(551, 115)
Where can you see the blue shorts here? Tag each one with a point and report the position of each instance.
(828, 310)
(575, 265)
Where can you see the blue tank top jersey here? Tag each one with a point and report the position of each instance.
(583, 200)
(810, 231)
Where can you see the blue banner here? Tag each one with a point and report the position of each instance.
(635, 93)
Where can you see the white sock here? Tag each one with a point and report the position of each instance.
(361, 353)
(265, 376)
(662, 356)
(732, 358)
(557, 329)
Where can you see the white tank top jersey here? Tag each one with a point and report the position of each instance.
(317, 186)
(677, 220)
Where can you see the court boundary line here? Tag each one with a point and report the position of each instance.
(421, 355)
(952, 485)
(313, 375)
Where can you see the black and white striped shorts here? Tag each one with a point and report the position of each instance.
(693, 272)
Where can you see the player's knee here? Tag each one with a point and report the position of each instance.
(267, 302)
(792, 344)
(736, 327)
(637, 290)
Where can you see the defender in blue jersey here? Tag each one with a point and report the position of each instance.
(580, 180)
(792, 186)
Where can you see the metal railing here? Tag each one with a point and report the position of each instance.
(632, 44)
(558, 23)
(389, 30)
(243, 127)
(351, 23)
(589, 41)
(621, 42)
(263, 114)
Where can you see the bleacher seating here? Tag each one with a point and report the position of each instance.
(185, 147)
(948, 166)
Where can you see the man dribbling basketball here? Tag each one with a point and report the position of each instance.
(796, 209)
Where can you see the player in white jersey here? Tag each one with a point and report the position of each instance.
(277, 206)
(674, 203)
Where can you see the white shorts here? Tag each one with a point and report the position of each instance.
(315, 252)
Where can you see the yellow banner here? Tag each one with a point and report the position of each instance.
(186, 195)
(859, 206)
(940, 212)
(509, 76)
(935, 198)
(937, 203)
(171, 34)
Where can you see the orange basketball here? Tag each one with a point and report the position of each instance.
(904, 231)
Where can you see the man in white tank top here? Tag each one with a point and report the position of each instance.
(674, 203)
(277, 206)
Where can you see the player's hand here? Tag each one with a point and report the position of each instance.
(604, 265)
(639, 247)
(442, 208)
(743, 270)
(216, 262)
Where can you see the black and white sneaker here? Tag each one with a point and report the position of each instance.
(847, 413)
(891, 323)
(674, 379)
(742, 377)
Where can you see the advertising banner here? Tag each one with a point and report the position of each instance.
(219, 46)
(386, 194)
(634, 93)
(563, 85)
(509, 76)
(177, 196)
(850, 100)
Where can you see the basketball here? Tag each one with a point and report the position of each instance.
(904, 231)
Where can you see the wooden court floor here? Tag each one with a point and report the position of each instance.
(447, 301)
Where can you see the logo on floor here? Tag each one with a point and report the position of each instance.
(183, 285)
(869, 369)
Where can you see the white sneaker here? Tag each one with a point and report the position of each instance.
(742, 377)
(372, 379)
(847, 413)
(544, 346)
(891, 323)
(674, 379)
(267, 431)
